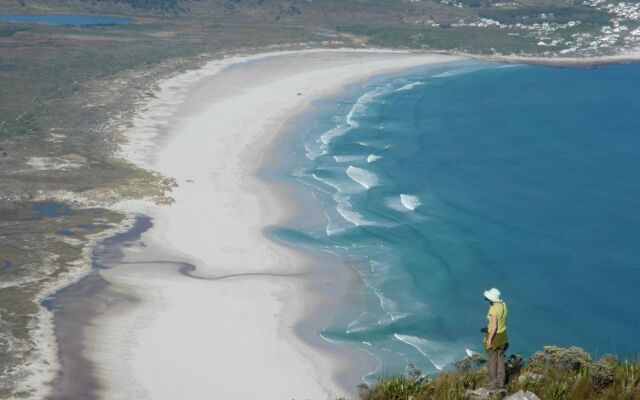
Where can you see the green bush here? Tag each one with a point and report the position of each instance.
(603, 371)
(569, 359)
(470, 363)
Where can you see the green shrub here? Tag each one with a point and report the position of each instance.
(603, 371)
(470, 363)
(515, 363)
(564, 359)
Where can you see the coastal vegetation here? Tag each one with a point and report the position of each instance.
(68, 93)
(161, 5)
(41, 244)
(553, 373)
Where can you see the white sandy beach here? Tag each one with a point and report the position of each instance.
(231, 338)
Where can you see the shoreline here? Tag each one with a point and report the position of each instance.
(586, 62)
(231, 90)
(47, 323)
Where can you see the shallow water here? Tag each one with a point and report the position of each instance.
(450, 180)
(74, 308)
(51, 209)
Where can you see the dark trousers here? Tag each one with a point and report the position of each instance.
(496, 366)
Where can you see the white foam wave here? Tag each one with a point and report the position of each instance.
(355, 110)
(373, 158)
(470, 352)
(390, 307)
(434, 351)
(410, 86)
(410, 202)
(341, 186)
(510, 66)
(347, 158)
(375, 144)
(403, 204)
(327, 182)
(360, 106)
(362, 176)
(364, 321)
(368, 320)
(352, 216)
(380, 269)
(461, 71)
(380, 273)
(328, 339)
(333, 229)
(313, 153)
(329, 135)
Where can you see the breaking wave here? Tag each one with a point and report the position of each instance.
(326, 137)
(437, 353)
(410, 86)
(410, 202)
(364, 177)
(352, 216)
(348, 158)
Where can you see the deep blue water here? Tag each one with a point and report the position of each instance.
(66, 19)
(522, 178)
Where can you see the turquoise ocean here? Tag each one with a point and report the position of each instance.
(442, 182)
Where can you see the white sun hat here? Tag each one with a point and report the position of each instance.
(493, 295)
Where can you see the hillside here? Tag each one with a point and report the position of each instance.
(544, 27)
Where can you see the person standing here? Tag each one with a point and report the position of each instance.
(496, 341)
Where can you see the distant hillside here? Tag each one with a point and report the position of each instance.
(161, 5)
(521, 27)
